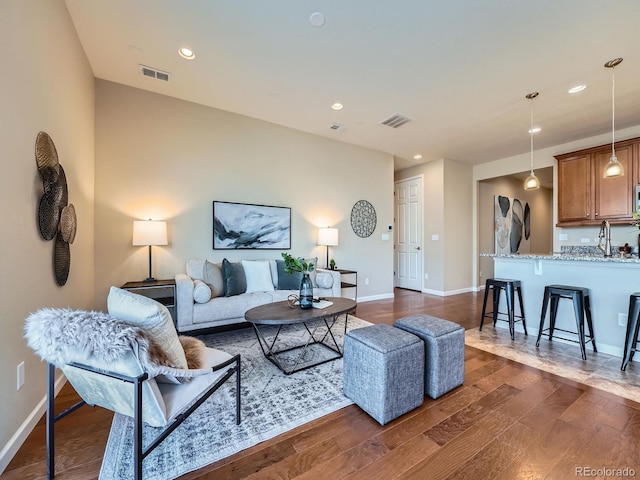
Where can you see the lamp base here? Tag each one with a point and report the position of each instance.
(150, 280)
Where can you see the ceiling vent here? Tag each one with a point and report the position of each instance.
(396, 120)
(154, 73)
(337, 127)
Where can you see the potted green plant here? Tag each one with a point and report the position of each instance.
(332, 264)
(300, 265)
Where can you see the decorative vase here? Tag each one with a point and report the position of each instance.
(306, 292)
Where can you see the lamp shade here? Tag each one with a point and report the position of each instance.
(328, 236)
(149, 232)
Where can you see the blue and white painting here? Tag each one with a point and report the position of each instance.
(242, 225)
(512, 225)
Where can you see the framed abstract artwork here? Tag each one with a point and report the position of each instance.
(248, 226)
(512, 221)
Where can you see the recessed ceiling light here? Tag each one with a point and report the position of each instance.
(577, 88)
(337, 106)
(534, 130)
(317, 19)
(186, 52)
(417, 156)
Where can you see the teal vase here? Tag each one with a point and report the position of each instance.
(306, 292)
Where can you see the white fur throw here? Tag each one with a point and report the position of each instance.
(61, 336)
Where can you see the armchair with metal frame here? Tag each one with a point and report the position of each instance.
(125, 386)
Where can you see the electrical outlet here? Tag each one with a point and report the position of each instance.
(20, 376)
(480, 273)
(426, 276)
(622, 319)
(366, 281)
(562, 237)
(585, 240)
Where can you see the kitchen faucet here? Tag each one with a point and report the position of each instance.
(604, 242)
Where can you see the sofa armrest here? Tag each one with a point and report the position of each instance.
(336, 289)
(184, 301)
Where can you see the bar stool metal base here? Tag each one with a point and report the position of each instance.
(582, 308)
(633, 325)
(510, 287)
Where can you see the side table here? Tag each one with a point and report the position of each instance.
(349, 283)
(163, 291)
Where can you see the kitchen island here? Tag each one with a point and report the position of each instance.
(610, 281)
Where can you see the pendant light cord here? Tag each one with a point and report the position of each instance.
(531, 134)
(613, 114)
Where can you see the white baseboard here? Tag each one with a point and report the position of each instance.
(448, 293)
(371, 298)
(18, 438)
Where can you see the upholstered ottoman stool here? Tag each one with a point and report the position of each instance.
(444, 351)
(384, 371)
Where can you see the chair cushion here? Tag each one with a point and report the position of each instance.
(153, 318)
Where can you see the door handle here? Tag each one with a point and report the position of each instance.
(418, 248)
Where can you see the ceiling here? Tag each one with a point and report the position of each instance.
(459, 68)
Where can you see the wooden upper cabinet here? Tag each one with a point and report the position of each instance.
(574, 189)
(585, 197)
(613, 196)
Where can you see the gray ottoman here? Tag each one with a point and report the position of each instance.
(384, 371)
(444, 351)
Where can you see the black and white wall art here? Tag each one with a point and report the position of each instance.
(242, 225)
(512, 225)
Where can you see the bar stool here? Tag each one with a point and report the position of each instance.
(510, 287)
(581, 307)
(633, 325)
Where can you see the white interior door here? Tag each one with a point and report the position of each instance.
(408, 239)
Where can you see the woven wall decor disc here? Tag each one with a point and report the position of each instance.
(61, 260)
(363, 218)
(48, 216)
(46, 153)
(68, 223)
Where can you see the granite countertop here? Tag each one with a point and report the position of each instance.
(566, 257)
(576, 253)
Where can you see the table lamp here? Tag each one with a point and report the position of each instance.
(149, 233)
(328, 237)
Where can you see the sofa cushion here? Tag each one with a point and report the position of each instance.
(258, 275)
(213, 278)
(201, 292)
(234, 279)
(287, 281)
(324, 280)
(151, 316)
(225, 308)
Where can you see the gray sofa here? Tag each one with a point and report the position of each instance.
(194, 311)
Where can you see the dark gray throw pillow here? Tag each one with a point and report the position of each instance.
(235, 281)
(287, 281)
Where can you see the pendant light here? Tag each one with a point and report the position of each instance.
(614, 168)
(532, 182)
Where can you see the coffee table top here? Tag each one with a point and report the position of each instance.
(280, 313)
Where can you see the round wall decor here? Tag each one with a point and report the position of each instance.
(363, 218)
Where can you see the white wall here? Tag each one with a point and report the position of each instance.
(447, 213)
(47, 85)
(541, 203)
(168, 159)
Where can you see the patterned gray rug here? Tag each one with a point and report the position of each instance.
(272, 403)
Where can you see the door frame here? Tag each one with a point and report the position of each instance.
(419, 177)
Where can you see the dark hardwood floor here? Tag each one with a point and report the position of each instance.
(508, 421)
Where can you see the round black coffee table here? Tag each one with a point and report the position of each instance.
(317, 322)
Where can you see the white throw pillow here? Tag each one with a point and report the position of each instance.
(258, 274)
(324, 280)
(201, 292)
(152, 317)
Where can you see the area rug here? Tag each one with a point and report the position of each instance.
(600, 370)
(272, 403)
